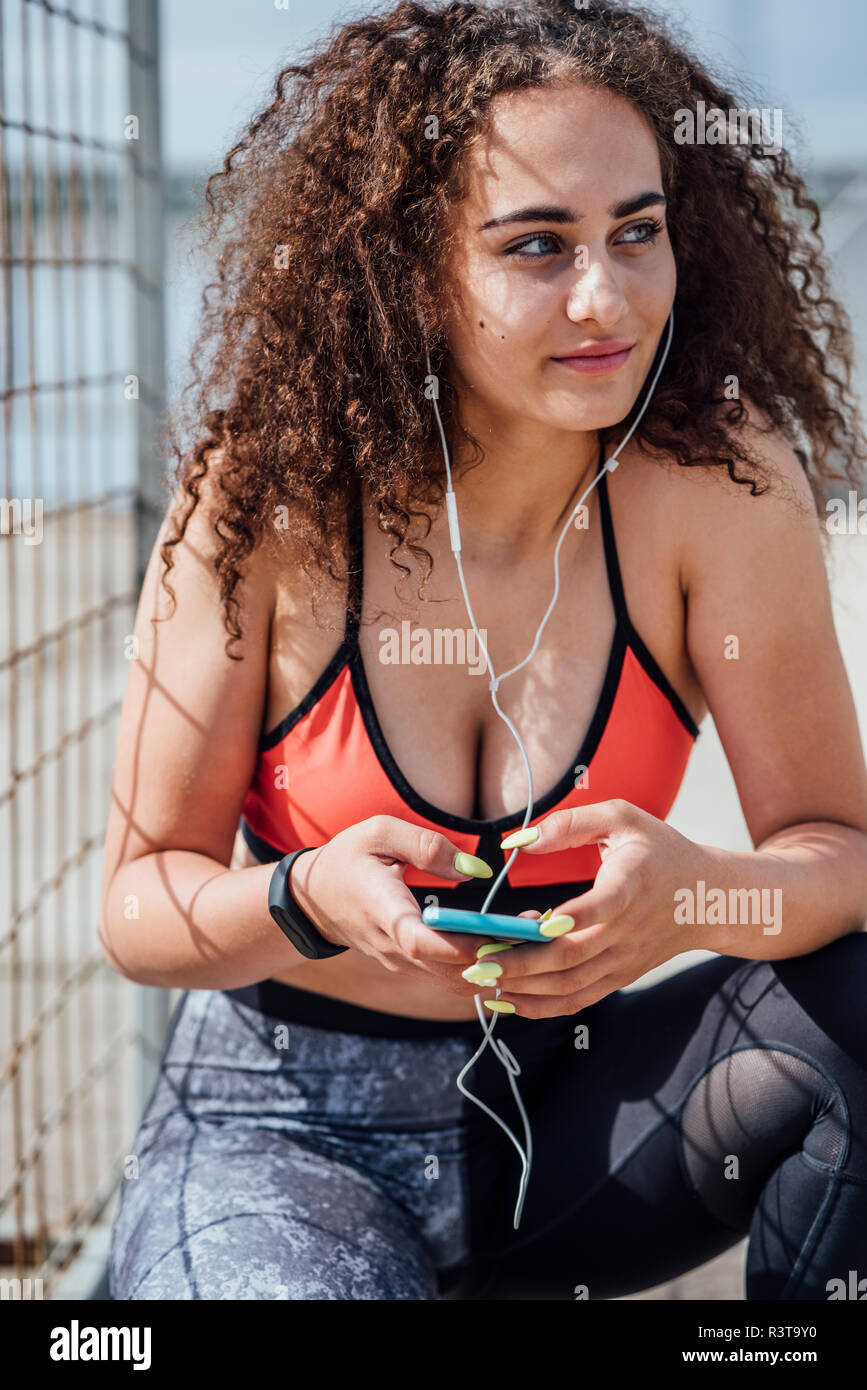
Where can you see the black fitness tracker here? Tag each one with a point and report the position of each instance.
(290, 919)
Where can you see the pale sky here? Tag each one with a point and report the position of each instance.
(220, 57)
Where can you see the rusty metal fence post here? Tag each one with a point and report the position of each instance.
(146, 198)
(81, 390)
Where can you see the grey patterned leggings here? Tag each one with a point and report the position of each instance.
(295, 1147)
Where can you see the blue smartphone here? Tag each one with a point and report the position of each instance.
(484, 924)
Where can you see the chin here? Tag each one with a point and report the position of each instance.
(599, 410)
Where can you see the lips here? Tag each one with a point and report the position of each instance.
(604, 356)
(605, 347)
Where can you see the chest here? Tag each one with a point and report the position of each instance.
(420, 680)
(426, 678)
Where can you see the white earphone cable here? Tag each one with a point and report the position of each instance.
(501, 1051)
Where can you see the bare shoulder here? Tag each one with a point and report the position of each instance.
(717, 523)
(195, 555)
(761, 638)
(193, 703)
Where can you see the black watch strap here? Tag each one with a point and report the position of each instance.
(294, 923)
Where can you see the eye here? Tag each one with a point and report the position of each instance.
(648, 230)
(518, 249)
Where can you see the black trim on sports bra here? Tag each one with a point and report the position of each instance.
(349, 653)
(473, 824)
(313, 696)
(340, 657)
(356, 574)
(266, 853)
(471, 894)
(618, 598)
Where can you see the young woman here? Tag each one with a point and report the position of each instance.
(501, 186)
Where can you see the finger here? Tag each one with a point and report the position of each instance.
(422, 848)
(555, 1006)
(402, 921)
(561, 953)
(438, 976)
(605, 901)
(559, 983)
(576, 826)
(494, 948)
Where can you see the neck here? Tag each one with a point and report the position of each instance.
(514, 504)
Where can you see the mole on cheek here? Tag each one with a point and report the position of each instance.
(481, 325)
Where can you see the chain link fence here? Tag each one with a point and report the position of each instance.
(81, 390)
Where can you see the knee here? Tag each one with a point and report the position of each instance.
(846, 953)
(829, 986)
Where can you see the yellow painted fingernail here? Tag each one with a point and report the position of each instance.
(499, 1006)
(519, 838)
(492, 948)
(545, 915)
(483, 974)
(469, 864)
(558, 926)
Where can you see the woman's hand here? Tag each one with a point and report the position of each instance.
(624, 925)
(353, 891)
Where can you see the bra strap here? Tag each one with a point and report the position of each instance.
(355, 563)
(612, 564)
(355, 525)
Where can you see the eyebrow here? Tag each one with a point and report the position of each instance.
(543, 214)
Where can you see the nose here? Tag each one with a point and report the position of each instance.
(596, 294)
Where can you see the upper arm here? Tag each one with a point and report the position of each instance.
(191, 715)
(760, 634)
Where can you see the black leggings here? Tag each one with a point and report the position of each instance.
(296, 1147)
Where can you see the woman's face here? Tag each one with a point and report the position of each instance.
(578, 258)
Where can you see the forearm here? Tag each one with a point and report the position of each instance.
(800, 889)
(185, 921)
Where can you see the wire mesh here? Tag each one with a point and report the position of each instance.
(80, 388)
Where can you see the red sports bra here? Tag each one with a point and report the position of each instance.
(327, 766)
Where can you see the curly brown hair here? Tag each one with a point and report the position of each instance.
(309, 368)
